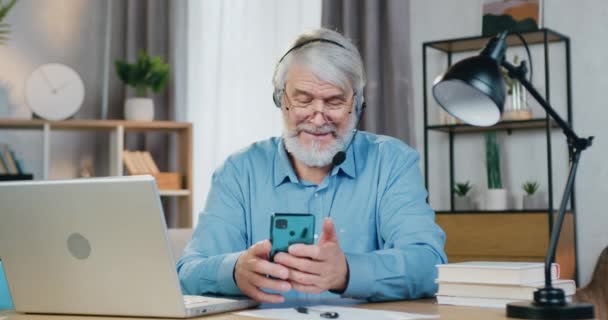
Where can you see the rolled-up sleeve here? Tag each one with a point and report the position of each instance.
(218, 240)
(411, 243)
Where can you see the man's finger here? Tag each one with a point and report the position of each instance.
(306, 251)
(329, 232)
(303, 278)
(261, 249)
(305, 288)
(302, 264)
(250, 290)
(261, 296)
(268, 283)
(266, 267)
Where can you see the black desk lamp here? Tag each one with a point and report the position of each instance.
(473, 90)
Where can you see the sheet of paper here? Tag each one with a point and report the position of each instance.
(315, 312)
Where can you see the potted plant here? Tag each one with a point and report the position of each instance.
(462, 201)
(533, 199)
(4, 27)
(495, 197)
(146, 73)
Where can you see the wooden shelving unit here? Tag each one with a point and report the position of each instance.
(117, 130)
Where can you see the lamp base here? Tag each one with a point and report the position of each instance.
(531, 310)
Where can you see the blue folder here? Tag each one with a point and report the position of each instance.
(5, 296)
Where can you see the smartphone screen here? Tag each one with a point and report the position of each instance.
(289, 228)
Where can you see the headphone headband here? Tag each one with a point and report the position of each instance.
(300, 45)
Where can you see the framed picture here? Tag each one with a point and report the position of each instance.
(512, 15)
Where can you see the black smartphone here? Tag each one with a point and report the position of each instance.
(289, 228)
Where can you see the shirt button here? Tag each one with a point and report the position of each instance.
(316, 194)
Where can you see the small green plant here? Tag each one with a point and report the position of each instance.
(146, 72)
(493, 161)
(462, 188)
(530, 187)
(5, 27)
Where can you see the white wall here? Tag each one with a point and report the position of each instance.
(524, 154)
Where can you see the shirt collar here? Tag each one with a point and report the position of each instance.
(282, 166)
(348, 166)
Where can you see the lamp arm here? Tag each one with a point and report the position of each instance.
(557, 226)
(519, 73)
(576, 145)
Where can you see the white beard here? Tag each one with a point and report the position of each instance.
(313, 155)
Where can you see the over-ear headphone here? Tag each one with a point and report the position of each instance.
(359, 102)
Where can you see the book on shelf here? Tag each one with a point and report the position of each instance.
(480, 302)
(139, 162)
(130, 165)
(495, 272)
(501, 291)
(3, 168)
(150, 164)
(8, 160)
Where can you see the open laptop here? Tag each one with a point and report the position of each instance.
(94, 246)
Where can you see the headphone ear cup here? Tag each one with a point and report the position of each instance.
(276, 98)
(359, 103)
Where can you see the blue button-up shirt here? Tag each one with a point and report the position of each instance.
(376, 199)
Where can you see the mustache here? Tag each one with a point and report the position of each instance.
(312, 129)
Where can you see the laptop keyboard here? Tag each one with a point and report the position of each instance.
(191, 300)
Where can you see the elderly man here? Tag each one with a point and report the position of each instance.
(378, 239)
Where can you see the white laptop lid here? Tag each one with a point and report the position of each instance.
(88, 246)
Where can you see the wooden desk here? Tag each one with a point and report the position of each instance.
(426, 306)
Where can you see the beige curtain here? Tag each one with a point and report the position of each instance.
(148, 25)
(143, 25)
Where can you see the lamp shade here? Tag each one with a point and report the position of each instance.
(472, 90)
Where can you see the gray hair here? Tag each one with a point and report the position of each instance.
(340, 66)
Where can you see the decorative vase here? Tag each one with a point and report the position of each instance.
(139, 109)
(463, 203)
(516, 107)
(495, 199)
(535, 201)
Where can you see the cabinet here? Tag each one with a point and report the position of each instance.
(514, 234)
(178, 214)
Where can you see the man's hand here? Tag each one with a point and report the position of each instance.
(250, 274)
(317, 268)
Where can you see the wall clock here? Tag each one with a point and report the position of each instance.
(54, 91)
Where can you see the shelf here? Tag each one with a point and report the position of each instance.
(94, 125)
(21, 124)
(117, 131)
(503, 125)
(511, 211)
(174, 193)
(477, 43)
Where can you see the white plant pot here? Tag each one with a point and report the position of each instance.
(463, 203)
(495, 199)
(139, 109)
(535, 202)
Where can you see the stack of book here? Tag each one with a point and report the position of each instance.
(10, 166)
(141, 162)
(494, 284)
